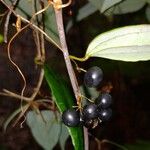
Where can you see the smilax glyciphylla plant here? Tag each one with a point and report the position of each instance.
(93, 113)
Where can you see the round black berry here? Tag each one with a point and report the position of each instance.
(71, 117)
(105, 114)
(93, 76)
(90, 112)
(104, 100)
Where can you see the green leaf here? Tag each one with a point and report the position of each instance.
(139, 145)
(131, 43)
(147, 12)
(51, 25)
(109, 3)
(148, 1)
(1, 38)
(127, 6)
(64, 100)
(97, 3)
(45, 128)
(63, 137)
(85, 11)
(24, 8)
(63, 95)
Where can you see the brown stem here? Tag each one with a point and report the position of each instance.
(11, 94)
(64, 48)
(86, 138)
(60, 26)
(7, 21)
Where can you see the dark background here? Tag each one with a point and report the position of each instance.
(130, 81)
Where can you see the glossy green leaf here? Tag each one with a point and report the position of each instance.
(131, 43)
(1, 38)
(45, 128)
(63, 95)
(64, 100)
(109, 3)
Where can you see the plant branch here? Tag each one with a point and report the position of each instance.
(64, 48)
(7, 21)
(11, 94)
(74, 83)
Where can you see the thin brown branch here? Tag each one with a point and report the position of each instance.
(40, 80)
(7, 21)
(86, 138)
(14, 95)
(74, 83)
(37, 43)
(64, 48)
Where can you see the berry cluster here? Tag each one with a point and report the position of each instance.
(93, 113)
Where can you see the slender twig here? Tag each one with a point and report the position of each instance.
(60, 26)
(11, 94)
(64, 48)
(32, 25)
(37, 43)
(7, 21)
(36, 90)
(86, 138)
(115, 144)
(40, 54)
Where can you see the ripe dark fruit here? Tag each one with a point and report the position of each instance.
(71, 118)
(90, 112)
(105, 114)
(93, 77)
(104, 100)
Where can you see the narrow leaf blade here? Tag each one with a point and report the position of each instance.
(131, 43)
(1, 38)
(64, 100)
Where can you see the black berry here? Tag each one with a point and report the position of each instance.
(71, 118)
(104, 100)
(105, 114)
(90, 112)
(93, 77)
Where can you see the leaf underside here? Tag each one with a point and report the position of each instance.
(131, 43)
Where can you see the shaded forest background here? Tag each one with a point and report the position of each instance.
(130, 81)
